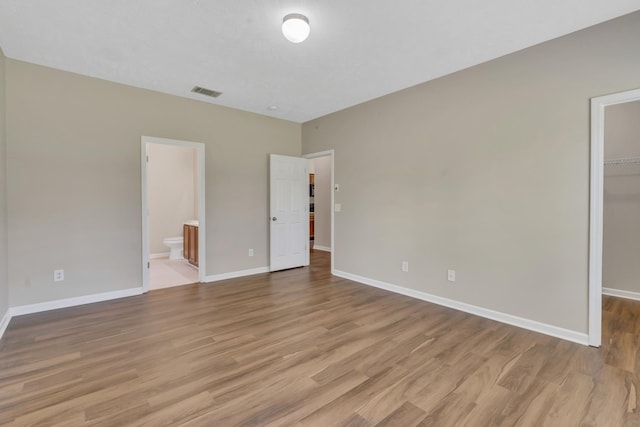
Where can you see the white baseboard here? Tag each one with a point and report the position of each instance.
(532, 325)
(5, 322)
(72, 302)
(235, 274)
(159, 255)
(321, 248)
(621, 294)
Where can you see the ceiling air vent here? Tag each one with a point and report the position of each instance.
(205, 91)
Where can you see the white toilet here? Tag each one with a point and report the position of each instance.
(175, 246)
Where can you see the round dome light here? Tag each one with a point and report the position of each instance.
(295, 27)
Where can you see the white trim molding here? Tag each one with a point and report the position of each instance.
(235, 274)
(72, 302)
(596, 192)
(5, 322)
(621, 294)
(321, 248)
(509, 319)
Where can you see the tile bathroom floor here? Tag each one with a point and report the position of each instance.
(165, 273)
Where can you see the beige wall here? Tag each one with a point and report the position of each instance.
(4, 286)
(73, 144)
(322, 202)
(485, 171)
(621, 225)
(171, 192)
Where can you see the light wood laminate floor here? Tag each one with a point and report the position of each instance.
(302, 348)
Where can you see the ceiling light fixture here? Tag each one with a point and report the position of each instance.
(295, 27)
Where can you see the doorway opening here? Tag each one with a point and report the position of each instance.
(321, 202)
(173, 213)
(596, 209)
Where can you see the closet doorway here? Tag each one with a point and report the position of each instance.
(614, 199)
(621, 201)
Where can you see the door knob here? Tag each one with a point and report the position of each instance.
(274, 219)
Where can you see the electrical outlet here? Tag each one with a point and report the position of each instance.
(338, 207)
(58, 275)
(251, 252)
(451, 275)
(405, 266)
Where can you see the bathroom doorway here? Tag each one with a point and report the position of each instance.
(173, 242)
(321, 197)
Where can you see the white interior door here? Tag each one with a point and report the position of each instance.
(289, 216)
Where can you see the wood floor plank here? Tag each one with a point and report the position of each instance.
(384, 403)
(572, 400)
(304, 348)
(344, 406)
(489, 409)
(533, 412)
(300, 406)
(406, 415)
(356, 420)
(613, 389)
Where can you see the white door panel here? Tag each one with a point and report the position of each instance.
(289, 218)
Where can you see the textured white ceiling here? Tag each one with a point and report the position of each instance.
(358, 49)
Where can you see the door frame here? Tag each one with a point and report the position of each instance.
(332, 154)
(202, 246)
(596, 191)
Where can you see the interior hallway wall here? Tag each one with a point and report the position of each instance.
(621, 222)
(486, 172)
(4, 284)
(74, 174)
(171, 179)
